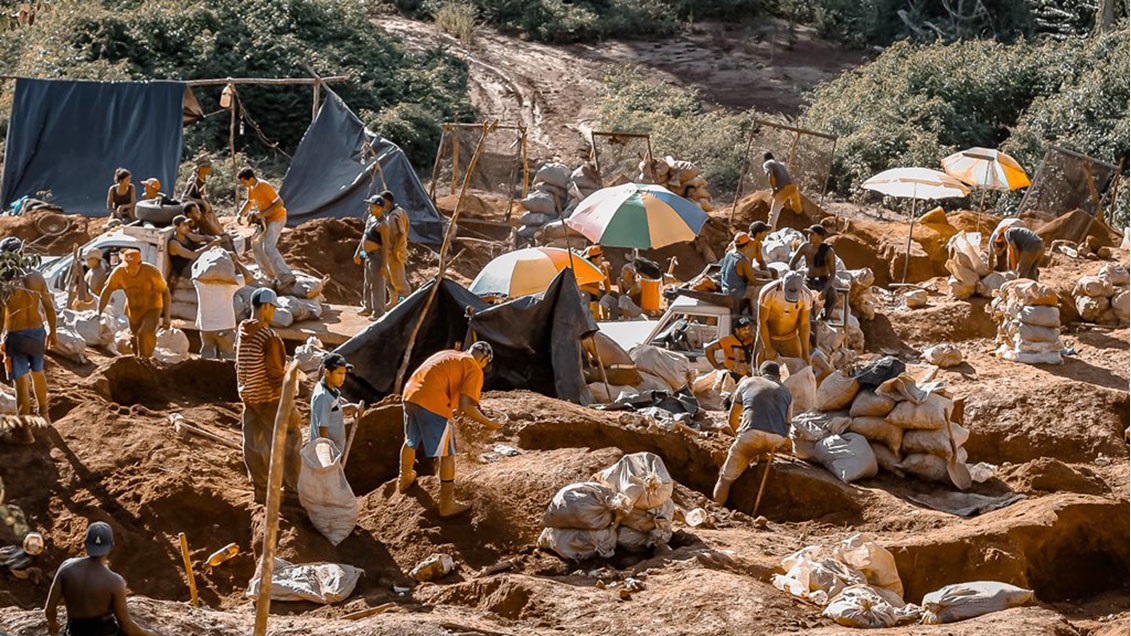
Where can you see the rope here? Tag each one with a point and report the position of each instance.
(258, 131)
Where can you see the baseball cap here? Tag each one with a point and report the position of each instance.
(375, 200)
(743, 321)
(131, 255)
(335, 361)
(93, 252)
(264, 296)
(152, 182)
(792, 284)
(770, 368)
(180, 218)
(817, 229)
(99, 539)
(484, 349)
(742, 238)
(11, 244)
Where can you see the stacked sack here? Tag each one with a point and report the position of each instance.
(1105, 298)
(627, 504)
(548, 197)
(1028, 323)
(681, 177)
(970, 273)
(861, 298)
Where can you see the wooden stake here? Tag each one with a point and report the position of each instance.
(274, 496)
(188, 569)
(769, 459)
(448, 236)
(353, 432)
(601, 364)
(370, 611)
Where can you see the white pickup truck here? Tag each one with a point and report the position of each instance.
(705, 322)
(153, 243)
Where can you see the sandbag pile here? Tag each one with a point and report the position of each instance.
(627, 504)
(895, 425)
(553, 196)
(1028, 323)
(172, 346)
(1105, 298)
(861, 298)
(96, 329)
(681, 177)
(970, 272)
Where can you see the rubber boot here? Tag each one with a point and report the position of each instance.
(408, 475)
(722, 491)
(449, 507)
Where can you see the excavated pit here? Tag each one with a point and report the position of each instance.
(130, 381)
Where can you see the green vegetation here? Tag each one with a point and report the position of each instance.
(124, 39)
(456, 18)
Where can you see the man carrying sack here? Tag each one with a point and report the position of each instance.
(447, 383)
(760, 414)
(260, 366)
(148, 301)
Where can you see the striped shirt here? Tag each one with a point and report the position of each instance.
(253, 376)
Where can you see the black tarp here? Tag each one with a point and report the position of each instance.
(334, 171)
(68, 137)
(537, 340)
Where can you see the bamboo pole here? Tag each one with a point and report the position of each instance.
(455, 161)
(769, 458)
(274, 496)
(317, 95)
(232, 154)
(448, 236)
(188, 569)
(305, 81)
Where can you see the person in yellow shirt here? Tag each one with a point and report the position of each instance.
(271, 213)
(784, 307)
(148, 300)
(398, 222)
(782, 188)
(737, 350)
(447, 383)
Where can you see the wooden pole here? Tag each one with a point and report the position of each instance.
(445, 131)
(274, 496)
(188, 569)
(353, 433)
(769, 459)
(601, 364)
(444, 247)
(317, 95)
(305, 81)
(232, 154)
(455, 160)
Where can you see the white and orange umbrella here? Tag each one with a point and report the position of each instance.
(986, 169)
(530, 271)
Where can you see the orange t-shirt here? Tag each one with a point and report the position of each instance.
(443, 377)
(264, 195)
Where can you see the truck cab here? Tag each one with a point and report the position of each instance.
(686, 328)
(153, 243)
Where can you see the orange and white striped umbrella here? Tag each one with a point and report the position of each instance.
(987, 169)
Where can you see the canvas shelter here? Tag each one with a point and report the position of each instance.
(68, 137)
(525, 333)
(335, 168)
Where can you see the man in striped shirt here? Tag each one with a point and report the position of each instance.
(260, 362)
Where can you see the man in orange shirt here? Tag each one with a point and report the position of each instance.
(737, 350)
(270, 211)
(447, 383)
(148, 300)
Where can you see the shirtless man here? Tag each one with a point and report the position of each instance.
(601, 350)
(94, 595)
(783, 318)
(148, 300)
(820, 260)
(25, 340)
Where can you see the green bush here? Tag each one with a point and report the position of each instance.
(456, 18)
(916, 104)
(120, 39)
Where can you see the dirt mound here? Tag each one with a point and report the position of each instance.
(1047, 474)
(943, 320)
(50, 232)
(756, 207)
(129, 380)
(1078, 225)
(325, 247)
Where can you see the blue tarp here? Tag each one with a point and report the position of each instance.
(68, 137)
(335, 169)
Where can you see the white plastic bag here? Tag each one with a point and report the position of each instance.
(966, 600)
(586, 506)
(578, 545)
(641, 477)
(674, 368)
(172, 346)
(318, 583)
(847, 456)
(324, 491)
(811, 577)
(836, 391)
(932, 414)
(69, 344)
(96, 329)
(873, 560)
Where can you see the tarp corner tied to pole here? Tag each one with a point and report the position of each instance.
(67, 137)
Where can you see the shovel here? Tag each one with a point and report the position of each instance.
(353, 432)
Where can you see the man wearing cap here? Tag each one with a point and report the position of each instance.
(83, 293)
(784, 308)
(446, 384)
(270, 211)
(397, 220)
(25, 341)
(148, 300)
(820, 261)
(737, 276)
(737, 350)
(760, 412)
(260, 366)
(94, 595)
(327, 409)
(1017, 249)
(151, 188)
(373, 253)
(782, 187)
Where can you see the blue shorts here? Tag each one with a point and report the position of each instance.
(25, 349)
(427, 432)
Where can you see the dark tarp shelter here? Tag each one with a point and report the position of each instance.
(537, 340)
(334, 170)
(68, 136)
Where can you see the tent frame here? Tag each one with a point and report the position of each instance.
(614, 135)
(797, 134)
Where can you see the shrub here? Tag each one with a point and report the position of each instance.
(120, 39)
(456, 18)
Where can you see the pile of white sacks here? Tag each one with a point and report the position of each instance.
(970, 272)
(554, 194)
(1028, 320)
(681, 177)
(1105, 298)
(628, 504)
(900, 426)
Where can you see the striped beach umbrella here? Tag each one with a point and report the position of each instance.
(530, 271)
(986, 169)
(637, 215)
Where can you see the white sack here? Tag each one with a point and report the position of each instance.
(586, 506)
(932, 414)
(836, 391)
(935, 442)
(847, 456)
(215, 266)
(324, 491)
(578, 545)
(674, 368)
(868, 404)
(640, 477)
(318, 583)
(966, 600)
(877, 429)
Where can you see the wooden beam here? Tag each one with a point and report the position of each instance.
(304, 81)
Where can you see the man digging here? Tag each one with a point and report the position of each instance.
(760, 415)
(447, 383)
